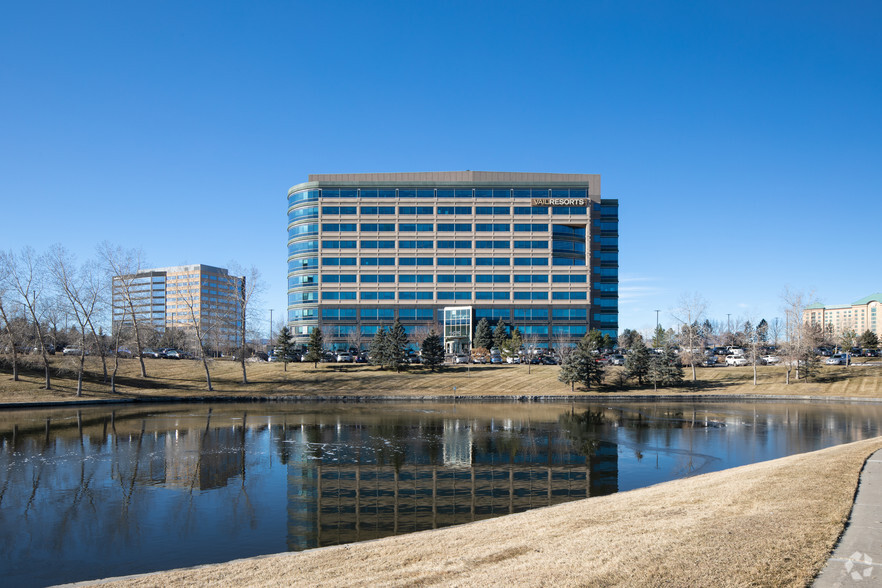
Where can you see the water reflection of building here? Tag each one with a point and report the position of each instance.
(469, 474)
(203, 459)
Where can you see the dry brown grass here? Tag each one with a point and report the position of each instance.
(175, 379)
(766, 524)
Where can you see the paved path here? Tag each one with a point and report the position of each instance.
(857, 559)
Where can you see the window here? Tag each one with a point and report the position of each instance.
(521, 210)
(492, 244)
(415, 244)
(461, 261)
(378, 279)
(531, 244)
(377, 227)
(451, 227)
(494, 261)
(526, 227)
(492, 227)
(375, 210)
(415, 261)
(416, 227)
(415, 210)
(377, 314)
(454, 210)
(492, 210)
(454, 244)
(378, 244)
(518, 261)
(377, 261)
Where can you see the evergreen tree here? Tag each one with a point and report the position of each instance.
(595, 339)
(868, 340)
(285, 346)
(659, 337)
(433, 351)
(572, 368)
(499, 334)
(590, 370)
(626, 340)
(379, 348)
(483, 335)
(396, 342)
(315, 346)
(637, 361)
(762, 331)
(664, 368)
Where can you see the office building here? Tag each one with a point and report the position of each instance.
(445, 249)
(179, 296)
(859, 316)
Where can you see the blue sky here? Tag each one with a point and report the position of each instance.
(741, 138)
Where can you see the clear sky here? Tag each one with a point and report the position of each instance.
(741, 138)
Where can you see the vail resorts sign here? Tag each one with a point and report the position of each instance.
(559, 202)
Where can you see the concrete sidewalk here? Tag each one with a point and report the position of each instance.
(857, 559)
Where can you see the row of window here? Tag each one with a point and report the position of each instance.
(424, 227)
(460, 261)
(300, 297)
(297, 281)
(427, 314)
(441, 244)
(310, 211)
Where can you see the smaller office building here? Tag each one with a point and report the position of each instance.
(178, 297)
(859, 316)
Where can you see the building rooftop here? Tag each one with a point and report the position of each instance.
(467, 177)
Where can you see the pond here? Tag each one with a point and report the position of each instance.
(105, 491)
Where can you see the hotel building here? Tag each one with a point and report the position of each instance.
(446, 249)
(178, 296)
(859, 316)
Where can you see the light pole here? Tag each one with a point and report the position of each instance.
(271, 327)
(656, 325)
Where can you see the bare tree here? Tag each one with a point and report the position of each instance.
(200, 329)
(801, 338)
(690, 313)
(10, 333)
(78, 286)
(247, 288)
(354, 339)
(25, 277)
(563, 345)
(531, 344)
(124, 265)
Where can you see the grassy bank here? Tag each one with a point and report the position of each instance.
(766, 524)
(170, 378)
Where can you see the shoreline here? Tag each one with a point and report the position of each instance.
(500, 398)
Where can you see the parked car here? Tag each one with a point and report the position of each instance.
(711, 361)
(124, 352)
(70, 351)
(736, 360)
(496, 358)
(771, 359)
(461, 358)
(836, 359)
(617, 360)
(150, 353)
(344, 357)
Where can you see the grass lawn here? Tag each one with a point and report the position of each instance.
(186, 378)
